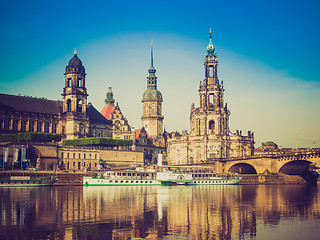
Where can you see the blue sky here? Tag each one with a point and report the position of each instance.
(268, 54)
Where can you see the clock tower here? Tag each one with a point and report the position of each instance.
(152, 118)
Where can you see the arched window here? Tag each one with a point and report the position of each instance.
(79, 106)
(68, 105)
(211, 126)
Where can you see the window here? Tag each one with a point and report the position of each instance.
(69, 82)
(84, 156)
(62, 155)
(67, 155)
(79, 165)
(15, 125)
(211, 71)
(74, 155)
(211, 100)
(46, 127)
(31, 126)
(23, 126)
(54, 128)
(68, 105)
(39, 125)
(79, 106)
(79, 82)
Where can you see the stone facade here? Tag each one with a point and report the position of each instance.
(209, 137)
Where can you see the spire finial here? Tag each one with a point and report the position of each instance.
(210, 48)
(75, 51)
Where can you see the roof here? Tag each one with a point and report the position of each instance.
(95, 116)
(138, 131)
(107, 111)
(30, 104)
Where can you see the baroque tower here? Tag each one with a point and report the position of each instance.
(211, 118)
(210, 138)
(75, 99)
(152, 118)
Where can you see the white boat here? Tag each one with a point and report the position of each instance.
(167, 175)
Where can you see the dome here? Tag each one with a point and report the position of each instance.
(75, 62)
(75, 65)
(152, 94)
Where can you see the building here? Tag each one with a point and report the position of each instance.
(209, 137)
(72, 117)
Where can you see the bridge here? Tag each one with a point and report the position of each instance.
(291, 163)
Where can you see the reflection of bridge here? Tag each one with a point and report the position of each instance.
(293, 163)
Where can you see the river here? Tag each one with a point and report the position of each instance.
(161, 212)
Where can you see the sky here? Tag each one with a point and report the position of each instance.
(268, 53)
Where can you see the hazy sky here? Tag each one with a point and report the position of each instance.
(268, 53)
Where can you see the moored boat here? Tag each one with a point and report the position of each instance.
(168, 175)
(33, 180)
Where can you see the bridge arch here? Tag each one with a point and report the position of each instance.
(295, 167)
(242, 168)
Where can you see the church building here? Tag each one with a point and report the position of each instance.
(209, 137)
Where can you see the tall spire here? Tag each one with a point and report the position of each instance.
(210, 48)
(152, 70)
(151, 53)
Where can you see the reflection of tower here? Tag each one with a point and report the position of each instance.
(75, 99)
(152, 118)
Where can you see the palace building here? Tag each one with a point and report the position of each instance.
(72, 117)
(209, 137)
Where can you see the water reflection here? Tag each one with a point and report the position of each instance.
(197, 212)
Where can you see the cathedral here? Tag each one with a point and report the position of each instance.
(209, 137)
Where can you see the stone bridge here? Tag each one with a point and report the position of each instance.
(292, 163)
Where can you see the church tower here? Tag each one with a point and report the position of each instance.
(211, 118)
(75, 99)
(152, 118)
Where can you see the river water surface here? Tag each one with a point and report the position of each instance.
(160, 212)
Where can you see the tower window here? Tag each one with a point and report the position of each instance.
(69, 83)
(211, 100)
(79, 106)
(68, 105)
(211, 126)
(211, 71)
(54, 128)
(79, 82)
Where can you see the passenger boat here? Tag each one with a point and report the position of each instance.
(167, 175)
(34, 180)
